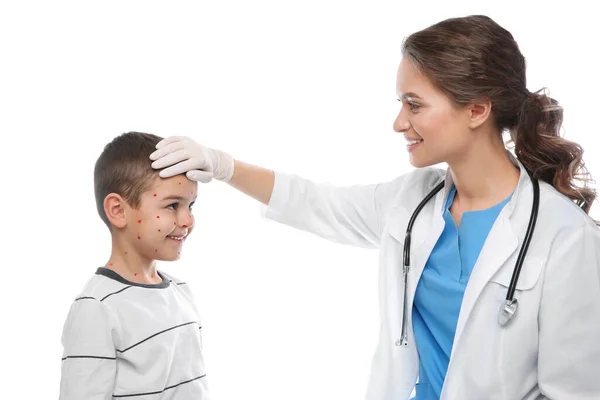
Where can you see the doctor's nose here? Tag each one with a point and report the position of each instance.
(401, 123)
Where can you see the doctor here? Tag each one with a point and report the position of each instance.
(444, 287)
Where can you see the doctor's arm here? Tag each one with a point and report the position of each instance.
(569, 318)
(349, 215)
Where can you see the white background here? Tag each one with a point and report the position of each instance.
(306, 87)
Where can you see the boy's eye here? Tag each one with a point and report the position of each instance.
(174, 206)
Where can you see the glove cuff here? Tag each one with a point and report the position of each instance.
(223, 165)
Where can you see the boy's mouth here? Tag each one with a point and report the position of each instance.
(177, 238)
(180, 238)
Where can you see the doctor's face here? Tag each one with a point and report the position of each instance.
(436, 131)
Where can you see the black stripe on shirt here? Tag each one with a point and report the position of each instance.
(85, 298)
(98, 357)
(161, 391)
(117, 292)
(156, 334)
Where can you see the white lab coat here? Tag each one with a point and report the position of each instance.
(550, 349)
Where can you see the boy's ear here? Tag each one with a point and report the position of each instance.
(114, 208)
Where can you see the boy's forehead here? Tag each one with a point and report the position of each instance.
(175, 185)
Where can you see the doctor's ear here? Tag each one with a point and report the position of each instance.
(115, 209)
(479, 111)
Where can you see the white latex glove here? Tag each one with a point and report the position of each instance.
(182, 155)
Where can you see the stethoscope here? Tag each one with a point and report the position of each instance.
(509, 308)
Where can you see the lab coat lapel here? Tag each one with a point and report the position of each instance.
(501, 242)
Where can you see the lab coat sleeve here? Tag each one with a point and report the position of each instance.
(349, 215)
(569, 318)
(89, 361)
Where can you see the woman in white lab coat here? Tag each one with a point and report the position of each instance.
(461, 84)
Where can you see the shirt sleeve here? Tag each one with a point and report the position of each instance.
(348, 215)
(89, 356)
(569, 319)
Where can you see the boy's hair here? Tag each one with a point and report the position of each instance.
(124, 168)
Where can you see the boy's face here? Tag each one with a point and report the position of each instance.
(162, 222)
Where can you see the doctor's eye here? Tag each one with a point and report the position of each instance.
(413, 106)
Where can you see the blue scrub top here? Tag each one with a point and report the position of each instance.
(440, 292)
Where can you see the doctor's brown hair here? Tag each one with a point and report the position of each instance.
(473, 57)
(124, 168)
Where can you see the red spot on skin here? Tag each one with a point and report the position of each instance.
(135, 274)
(174, 223)
(110, 264)
(156, 250)
(158, 216)
(139, 237)
(159, 230)
(139, 221)
(154, 194)
(125, 252)
(180, 183)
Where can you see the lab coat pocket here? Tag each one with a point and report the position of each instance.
(516, 343)
(398, 223)
(528, 278)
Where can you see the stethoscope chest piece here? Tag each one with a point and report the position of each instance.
(507, 311)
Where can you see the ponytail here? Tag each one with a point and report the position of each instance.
(548, 156)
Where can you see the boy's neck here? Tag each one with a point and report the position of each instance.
(131, 265)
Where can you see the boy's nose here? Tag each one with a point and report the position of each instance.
(186, 221)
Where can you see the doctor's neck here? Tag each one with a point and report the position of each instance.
(484, 175)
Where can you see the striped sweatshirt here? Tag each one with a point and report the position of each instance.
(133, 341)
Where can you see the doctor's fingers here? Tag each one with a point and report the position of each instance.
(172, 139)
(182, 168)
(165, 150)
(200, 176)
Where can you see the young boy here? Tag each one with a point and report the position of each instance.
(134, 332)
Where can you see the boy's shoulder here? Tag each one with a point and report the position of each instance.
(172, 278)
(99, 287)
(179, 283)
(106, 283)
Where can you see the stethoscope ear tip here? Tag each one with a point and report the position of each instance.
(507, 311)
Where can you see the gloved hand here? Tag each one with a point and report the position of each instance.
(183, 155)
